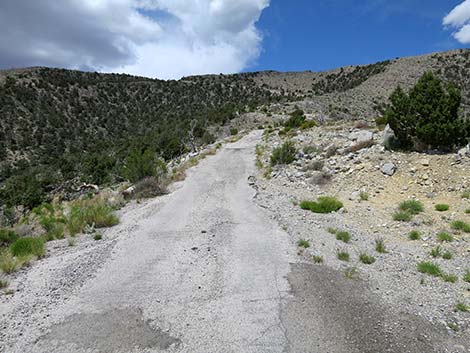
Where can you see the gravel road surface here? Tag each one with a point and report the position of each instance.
(203, 269)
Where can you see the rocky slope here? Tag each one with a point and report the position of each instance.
(360, 92)
(348, 161)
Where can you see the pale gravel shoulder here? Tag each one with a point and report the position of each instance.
(48, 283)
(393, 277)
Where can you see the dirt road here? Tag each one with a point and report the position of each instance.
(203, 269)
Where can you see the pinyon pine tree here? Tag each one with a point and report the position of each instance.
(428, 116)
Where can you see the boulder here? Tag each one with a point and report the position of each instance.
(361, 136)
(464, 152)
(389, 138)
(389, 169)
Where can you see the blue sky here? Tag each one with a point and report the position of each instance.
(175, 38)
(319, 35)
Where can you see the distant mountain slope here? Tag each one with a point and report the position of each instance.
(361, 91)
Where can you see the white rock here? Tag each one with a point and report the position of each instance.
(389, 169)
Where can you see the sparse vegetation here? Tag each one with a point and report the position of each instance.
(3, 283)
(442, 207)
(461, 225)
(303, 243)
(466, 194)
(429, 268)
(296, 119)
(325, 204)
(366, 259)
(28, 246)
(71, 241)
(8, 263)
(448, 277)
(445, 237)
(343, 255)
(412, 207)
(414, 235)
(94, 212)
(343, 236)
(462, 307)
(351, 272)
(402, 216)
(284, 154)
(447, 255)
(7, 237)
(380, 246)
(466, 276)
(97, 236)
(318, 259)
(436, 252)
(364, 196)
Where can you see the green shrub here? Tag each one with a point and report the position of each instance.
(144, 163)
(413, 207)
(308, 124)
(381, 121)
(351, 272)
(297, 118)
(311, 149)
(324, 204)
(414, 235)
(447, 255)
(436, 252)
(445, 237)
(462, 307)
(8, 264)
(461, 225)
(442, 207)
(28, 246)
(467, 211)
(318, 259)
(466, 194)
(428, 115)
(448, 277)
(302, 243)
(97, 236)
(95, 212)
(366, 259)
(57, 231)
(343, 255)
(22, 189)
(466, 276)
(364, 196)
(380, 246)
(344, 236)
(7, 237)
(402, 216)
(429, 268)
(233, 131)
(284, 154)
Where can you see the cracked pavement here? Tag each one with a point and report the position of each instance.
(207, 270)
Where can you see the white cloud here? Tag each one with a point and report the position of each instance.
(459, 18)
(157, 38)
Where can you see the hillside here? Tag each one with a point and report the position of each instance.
(57, 125)
(361, 91)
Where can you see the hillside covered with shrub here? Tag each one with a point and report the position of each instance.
(57, 125)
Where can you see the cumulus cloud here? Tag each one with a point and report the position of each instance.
(157, 38)
(459, 18)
